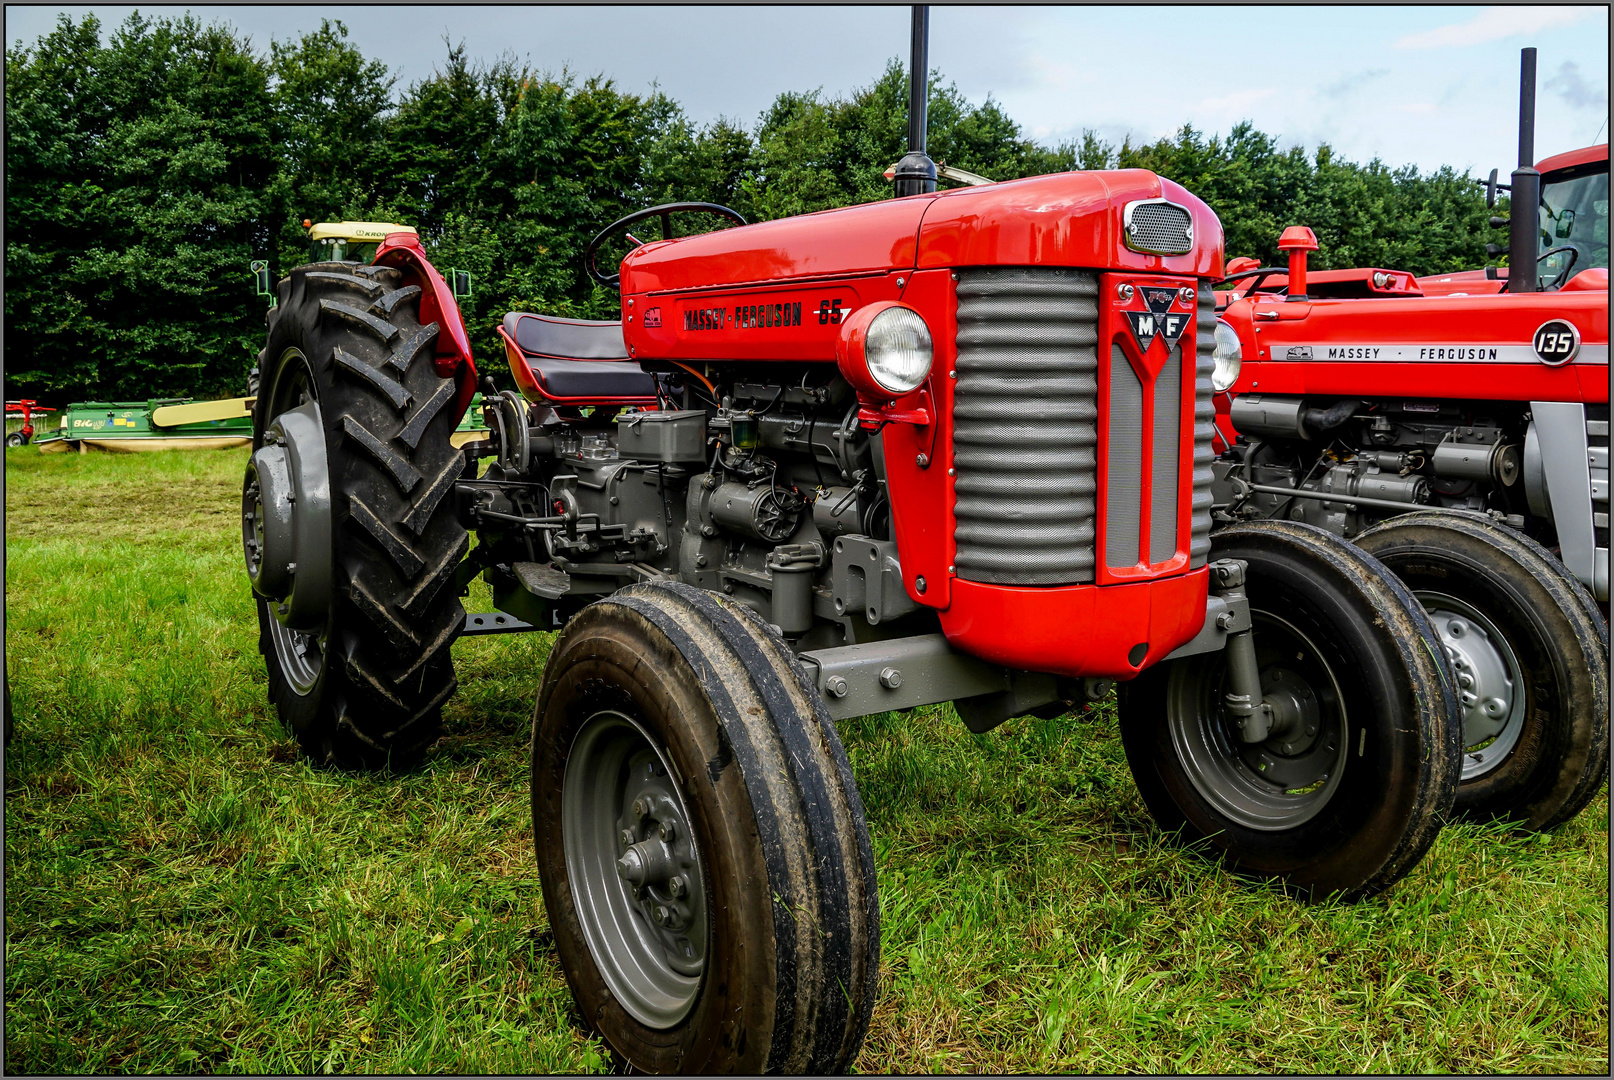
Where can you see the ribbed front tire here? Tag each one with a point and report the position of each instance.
(675, 737)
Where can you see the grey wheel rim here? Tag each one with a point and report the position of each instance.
(1289, 778)
(1490, 682)
(301, 655)
(300, 650)
(634, 869)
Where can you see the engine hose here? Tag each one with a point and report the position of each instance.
(1319, 420)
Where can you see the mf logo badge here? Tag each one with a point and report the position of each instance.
(1298, 352)
(1556, 342)
(1159, 321)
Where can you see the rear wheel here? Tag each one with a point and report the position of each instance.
(350, 538)
(1351, 785)
(1530, 658)
(704, 856)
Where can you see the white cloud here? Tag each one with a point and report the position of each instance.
(1238, 102)
(1495, 24)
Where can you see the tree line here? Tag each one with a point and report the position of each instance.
(144, 174)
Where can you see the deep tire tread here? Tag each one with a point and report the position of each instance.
(389, 666)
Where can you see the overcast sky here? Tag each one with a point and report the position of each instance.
(1428, 86)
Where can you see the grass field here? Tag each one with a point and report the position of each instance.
(184, 894)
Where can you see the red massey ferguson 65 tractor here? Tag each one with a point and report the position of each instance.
(1463, 440)
(953, 446)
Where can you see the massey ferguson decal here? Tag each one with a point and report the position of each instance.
(1550, 347)
(1159, 321)
(744, 317)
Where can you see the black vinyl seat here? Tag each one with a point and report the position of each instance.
(578, 358)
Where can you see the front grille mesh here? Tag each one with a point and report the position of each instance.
(1160, 227)
(1199, 528)
(1024, 425)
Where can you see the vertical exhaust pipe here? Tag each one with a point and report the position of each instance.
(1524, 216)
(915, 174)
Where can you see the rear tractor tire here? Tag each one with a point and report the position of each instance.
(348, 527)
(1359, 772)
(1530, 656)
(703, 852)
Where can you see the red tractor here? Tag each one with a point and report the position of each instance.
(1459, 433)
(953, 446)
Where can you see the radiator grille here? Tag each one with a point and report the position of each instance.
(1159, 227)
(1024, 425)
(1204, 430)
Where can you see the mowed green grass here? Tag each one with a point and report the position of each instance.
(185, 894)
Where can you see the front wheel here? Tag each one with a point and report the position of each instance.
(1531, 660)
(1353, 781)
(704, 857)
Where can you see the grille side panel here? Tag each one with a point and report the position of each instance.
(1123, 477)
(1166, 450)
(1025, 432)
(1199, 527)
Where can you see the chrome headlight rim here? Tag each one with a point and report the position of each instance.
(1228, 358)
(898, 350)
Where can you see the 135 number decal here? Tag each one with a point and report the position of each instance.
(1556, 342)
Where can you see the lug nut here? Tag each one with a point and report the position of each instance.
(660, 914)
(667, 832)
(640, 808)
(625, 838)
(676, 886)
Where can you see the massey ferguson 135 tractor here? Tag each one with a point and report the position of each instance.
(1463, 440)
(952, 446)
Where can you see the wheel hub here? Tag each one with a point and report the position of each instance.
(1288, 777)
(286, 520)
(1489, 687)
(634, 869)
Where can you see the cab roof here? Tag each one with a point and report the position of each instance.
(1570, 158)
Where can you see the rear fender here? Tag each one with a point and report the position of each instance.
(437, 305)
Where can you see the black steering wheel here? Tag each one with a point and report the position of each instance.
(1562, 275)
(665, 212)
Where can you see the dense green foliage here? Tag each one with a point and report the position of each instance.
(143, 175)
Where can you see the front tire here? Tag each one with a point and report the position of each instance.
(703, 852)
(1352, 786)
(364, 684)
(1531, 660)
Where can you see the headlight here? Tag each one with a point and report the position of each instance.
(897, 349)
(1229, 357)
(885, 350)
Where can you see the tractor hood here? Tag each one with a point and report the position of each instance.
(1066, 219)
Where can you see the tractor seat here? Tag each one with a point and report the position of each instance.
(577, 360)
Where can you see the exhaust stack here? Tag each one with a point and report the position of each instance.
(1524, 217)
(915, 174)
